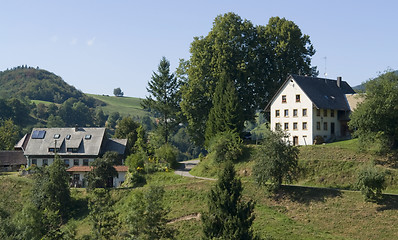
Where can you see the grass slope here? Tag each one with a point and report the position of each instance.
(124, 105)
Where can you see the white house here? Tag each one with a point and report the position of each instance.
(306, 107)
(78, 175)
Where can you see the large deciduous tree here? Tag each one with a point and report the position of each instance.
(164, 98)
(375, 119)
(255, 58)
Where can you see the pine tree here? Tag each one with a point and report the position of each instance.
(228, 217)
(225, 115)
(164, 97)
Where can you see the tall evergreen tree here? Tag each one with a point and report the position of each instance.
(226, 113)
(164, 98)
(229, 217)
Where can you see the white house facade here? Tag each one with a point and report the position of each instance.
(307, 107)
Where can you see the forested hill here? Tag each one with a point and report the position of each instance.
(39, 84)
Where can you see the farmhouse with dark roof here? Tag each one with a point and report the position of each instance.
(76, 146)
(310, 108)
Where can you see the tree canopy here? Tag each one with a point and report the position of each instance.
(255, 58)
(275, 161)
(375, 119)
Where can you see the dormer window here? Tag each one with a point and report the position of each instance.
(283, 98)
(297, 97)
(87, 137)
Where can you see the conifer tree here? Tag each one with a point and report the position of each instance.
(164, 97)
(229, 217)
(226, 113)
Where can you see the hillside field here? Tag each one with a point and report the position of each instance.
(124, 105)
(296, 212)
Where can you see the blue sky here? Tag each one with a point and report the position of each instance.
(97, 46)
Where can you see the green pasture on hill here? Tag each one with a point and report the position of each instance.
(124, 105)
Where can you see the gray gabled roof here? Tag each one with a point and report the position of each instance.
(324, 93)
(86, 146)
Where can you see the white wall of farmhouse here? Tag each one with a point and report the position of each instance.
(295, 116)
(69, 162)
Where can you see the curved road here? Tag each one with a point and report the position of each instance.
(187, 166)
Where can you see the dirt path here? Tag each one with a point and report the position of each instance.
(195, 216)
(186, 167)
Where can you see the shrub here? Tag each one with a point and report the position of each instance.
(371, 182)
(167, 153)
(226, 146)
(275, 161)
(137, 160)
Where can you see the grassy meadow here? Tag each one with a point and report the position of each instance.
(124, 105)
(321, 205)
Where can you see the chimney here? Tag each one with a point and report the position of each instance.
(339, 81)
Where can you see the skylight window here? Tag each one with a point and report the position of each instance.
(56, 136)
(38, 134)
(87, 137)
(68, 137)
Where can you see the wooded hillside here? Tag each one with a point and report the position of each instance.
(39, 84)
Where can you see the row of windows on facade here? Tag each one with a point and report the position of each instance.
(76, 162)
(72, 150)
(285, 101)
(295, 126)
(304, 113)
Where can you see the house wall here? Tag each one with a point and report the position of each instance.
(328, 120)
(290, 90)
(117, 181)
(39, 161)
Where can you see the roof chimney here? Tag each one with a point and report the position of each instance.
(339, 81)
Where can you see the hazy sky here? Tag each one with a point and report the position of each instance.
(101, 45)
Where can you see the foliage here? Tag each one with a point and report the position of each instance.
(102, 173)
(102, 216)
(255, 58)
(183, 141)
(229, 217)
(374, 120)
(225, 146)
(275, 161)
(100, 118)
(76, 113)
(51, 190)
(136, 163)
(9, 134)
(164, 98)
(40, 84)
(146, 215)
(118, 92)
(16, 110)
(113, 119)
(127, 129)
(371, 182)
(167, 153)
(225, 115)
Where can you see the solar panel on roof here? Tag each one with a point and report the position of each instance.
(38, 134)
